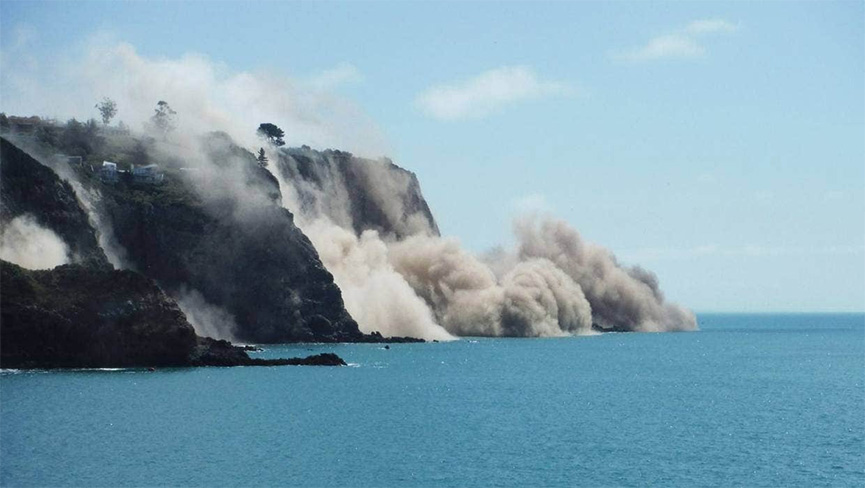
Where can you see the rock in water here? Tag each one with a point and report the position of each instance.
(210, 352)
(323, 359)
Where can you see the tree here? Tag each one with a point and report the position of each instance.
(272, 133)
(47, 135)
(81, 139)
(163, 119)
(108, 108)
(139, 154)
(262, 159)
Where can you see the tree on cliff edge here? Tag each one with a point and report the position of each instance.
(108, 109)
(262, 159)
(163, 119)
(272, 133)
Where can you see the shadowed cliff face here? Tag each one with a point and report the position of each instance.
(73, 316)
(35, 195)
(83, 317)
(216, 227)
(355, 193)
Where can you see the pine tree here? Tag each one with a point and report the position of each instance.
(272, 133)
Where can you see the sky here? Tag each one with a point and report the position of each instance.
(719, 144)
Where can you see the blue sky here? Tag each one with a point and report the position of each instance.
(721, 145)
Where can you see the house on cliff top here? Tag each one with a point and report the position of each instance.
(149, 174)
(108, 172)
(146, 175)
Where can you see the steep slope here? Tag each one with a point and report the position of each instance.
(73, 316)
(27, 188)
(215, 227)
(356, 193)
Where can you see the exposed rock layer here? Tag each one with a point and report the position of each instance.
(356, 193)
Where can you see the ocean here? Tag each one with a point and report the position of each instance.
(749, 400)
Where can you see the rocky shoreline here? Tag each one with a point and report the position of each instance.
(211, 352)
(75, 316)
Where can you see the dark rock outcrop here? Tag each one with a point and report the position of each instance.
(29, 188)
(211, 352)
(74, 316)
(376, 338)
(357, 193)
(596, 327)
(79, 317)
(323, 359)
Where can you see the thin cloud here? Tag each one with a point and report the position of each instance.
(487, 93)
(534, 203)
(667, 46)
(684, 43)
(339, 75)
(711, 26)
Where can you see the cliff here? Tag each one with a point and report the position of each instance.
(73, 316)
(29, 188)
(79, 317)
(356, 193)
(87, 314)
(216, 227)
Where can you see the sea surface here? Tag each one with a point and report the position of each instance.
(749, 400)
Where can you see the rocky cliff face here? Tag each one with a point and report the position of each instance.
(75, 316)
(83, 317)
(355, 193)
(216, 228)
(29, 188)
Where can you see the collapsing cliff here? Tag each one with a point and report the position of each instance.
(41, 218)
(212, 236)
(85, 314)
(325, 246)
(355, 193)
(213, 231)
(375, 233)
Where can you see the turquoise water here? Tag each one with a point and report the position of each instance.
(749, 400)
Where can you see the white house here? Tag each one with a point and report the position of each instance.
(108, 172)
(149, 174)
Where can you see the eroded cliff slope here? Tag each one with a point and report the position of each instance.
(32, 190)
(214, 228)
(355, 193)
